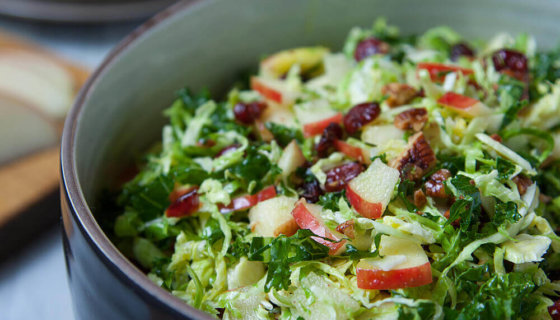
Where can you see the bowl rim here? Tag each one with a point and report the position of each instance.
(72, 191)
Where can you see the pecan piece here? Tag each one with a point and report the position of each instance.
(522, 182)
(347, 228)
(416, 160)
(399, 94)
(435, 187)
(419, 198)
(412, 119)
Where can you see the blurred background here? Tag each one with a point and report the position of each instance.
(47, 50)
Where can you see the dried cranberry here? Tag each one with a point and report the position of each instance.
(331, 133)
(247, 113)
(369, 47)
(338, 177)
(185, 205)
(554, 310)
(227, 149)
(507, 59)
(461, 49)
(360, 115)
(312, 191)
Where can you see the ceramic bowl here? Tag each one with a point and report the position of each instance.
(207, 44)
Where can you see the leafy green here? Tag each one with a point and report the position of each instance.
(467, 206)
(148, 198)
(282, 251)
(502, 296)
(546, 68)
(505, 168)
(511, 94)
(424, 310)
(404, 190)
(505, 212)
(330, 200)
(284, 135)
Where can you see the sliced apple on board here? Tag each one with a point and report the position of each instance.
(404, 264)
(308, 59)
(315, 116)
(36, 90)
(272, 217)
(370, 192)
(308, 216)
(463, 105)
(291, 159)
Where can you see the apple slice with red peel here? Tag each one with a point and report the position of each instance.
(184, 203)
(270, 89)
(248, 201)
(463, 105)
(370, 192)
(315, 116)
(316, 128)
(272, 217)
(278, 64)
(352, 152)
(291, 159)
(404, 264)
(438, 71)
(308, 216)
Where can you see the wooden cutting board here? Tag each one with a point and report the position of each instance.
(32, 173)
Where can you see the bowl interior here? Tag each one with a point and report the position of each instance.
(209, 43)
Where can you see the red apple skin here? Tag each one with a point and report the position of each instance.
(248, 201)
(364, 208)
(307, 220)
(437, 71)
(351, 151)
(267, 92)
(458, 101)
(394, 279)
(316, 128)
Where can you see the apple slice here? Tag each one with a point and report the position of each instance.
(278, 64)
(272, 217)
(308, 216)
(270, 89)
(438, 71)
(352, 152)
(370, 192)
(379, 135)
(277, 113)
(315, 116)
(404, 265)
(184, 203)
(248, 201)
(291, 159)
(463, 105)
(317, 128)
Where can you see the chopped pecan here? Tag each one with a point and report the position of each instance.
(522, 182)
(435, 187)
(399, 94)
(347, 228)
(416, 160)
(419, 198)
(412, 119)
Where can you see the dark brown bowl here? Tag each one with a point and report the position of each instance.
(207, 44)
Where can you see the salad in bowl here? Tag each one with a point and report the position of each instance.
(405, 177)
